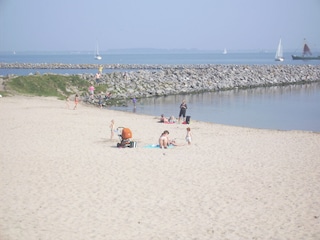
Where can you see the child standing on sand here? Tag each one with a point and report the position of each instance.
(112, 129)
(67, 102)
(188, 136)
(76, 101)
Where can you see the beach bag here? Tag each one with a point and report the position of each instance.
(188, 119)
(126, 133)
(133, 144)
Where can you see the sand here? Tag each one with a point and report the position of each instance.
(61, 177)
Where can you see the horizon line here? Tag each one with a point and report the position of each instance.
(137, 50)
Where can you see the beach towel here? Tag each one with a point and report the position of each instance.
(156, 146)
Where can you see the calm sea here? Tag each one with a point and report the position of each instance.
(294, 107)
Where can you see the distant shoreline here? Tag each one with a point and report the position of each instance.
(135, 66)
(82, 66)
(105, 66)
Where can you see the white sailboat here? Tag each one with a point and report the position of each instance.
(225, 51)
(279, 53)
(97, 56)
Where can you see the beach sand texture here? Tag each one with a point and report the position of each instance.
(63, 178)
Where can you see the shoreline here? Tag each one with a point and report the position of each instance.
(63, 178)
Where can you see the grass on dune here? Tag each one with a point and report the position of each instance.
(48, 85)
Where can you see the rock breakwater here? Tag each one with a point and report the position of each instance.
(142, 81)
(169, 81)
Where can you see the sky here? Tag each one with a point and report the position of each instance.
(78, 25)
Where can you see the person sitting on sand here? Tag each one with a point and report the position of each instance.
(172, 119)
(164, 139)
(163, 119)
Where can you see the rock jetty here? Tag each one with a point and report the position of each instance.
(169, 81)
(142, 81)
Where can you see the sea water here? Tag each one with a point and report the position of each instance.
(285, 108)
(148, 57)
(293, 107)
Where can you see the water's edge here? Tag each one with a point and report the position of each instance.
(291, 107)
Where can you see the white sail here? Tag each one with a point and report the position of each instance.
(225, 51)
(279, 53)
(97, 55)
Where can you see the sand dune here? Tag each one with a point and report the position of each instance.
(61, 177)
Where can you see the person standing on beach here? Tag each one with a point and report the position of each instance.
(100, 100)
(112, 129)
(76, 101)
(134, 101)
(183, 110)
(91, 91)
(188, 136)
(67, 102)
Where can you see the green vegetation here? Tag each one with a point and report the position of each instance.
(100, 88)
(4, 94)
(47, 85)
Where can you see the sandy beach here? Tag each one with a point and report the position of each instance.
(61, 177)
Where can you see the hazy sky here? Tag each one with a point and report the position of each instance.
(76, 25)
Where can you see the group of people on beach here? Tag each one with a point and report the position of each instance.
(76, 102)
(182, 114)
(165, 142)
(164, 119)
(91, 90)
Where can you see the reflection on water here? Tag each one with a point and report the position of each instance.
(280, 107)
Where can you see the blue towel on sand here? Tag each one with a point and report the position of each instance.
(155, 146)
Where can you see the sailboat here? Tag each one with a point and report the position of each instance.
(279, 53)
(97, 56)
(225, 51)
(306, 54)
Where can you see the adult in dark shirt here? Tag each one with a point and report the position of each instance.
(183, 110)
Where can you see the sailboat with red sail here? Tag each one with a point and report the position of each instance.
(306, 54)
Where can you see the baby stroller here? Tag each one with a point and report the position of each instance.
(125, 136)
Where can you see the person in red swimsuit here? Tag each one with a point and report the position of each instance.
(76, 101)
